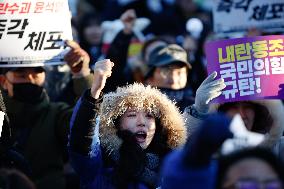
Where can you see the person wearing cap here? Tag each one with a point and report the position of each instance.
(40, 127)
(168, 70)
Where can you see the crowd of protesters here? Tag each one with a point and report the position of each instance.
(131, 108)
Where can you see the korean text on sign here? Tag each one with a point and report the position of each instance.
(251, 67)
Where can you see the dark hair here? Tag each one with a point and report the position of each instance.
(159, 143)
(148, 43)
(262, 121)
(226, 161)
(88, 19)
(14, 179)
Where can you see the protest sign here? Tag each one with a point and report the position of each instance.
(240, 15)
(253, 68)
(32, 32)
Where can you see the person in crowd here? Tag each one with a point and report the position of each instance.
(250, 168)
(118, 140)
(39, 127)
(118, 52)
(138, 126)
(168, 70)
(194, 166)
(79, 77)
(265, 116)
(9, 157)
(90, 35)
(148, 47)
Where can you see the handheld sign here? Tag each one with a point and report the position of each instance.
(241, 15)
(32, 33)
(252, 68)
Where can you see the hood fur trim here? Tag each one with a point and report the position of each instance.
(144, 98)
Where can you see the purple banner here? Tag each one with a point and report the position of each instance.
(253, 68)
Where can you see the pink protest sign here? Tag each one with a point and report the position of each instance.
(253, 68)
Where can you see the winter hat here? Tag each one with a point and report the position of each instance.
(167, 55)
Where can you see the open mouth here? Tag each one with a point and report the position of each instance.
(140, 136)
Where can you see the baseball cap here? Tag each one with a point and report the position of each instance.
(166, 55)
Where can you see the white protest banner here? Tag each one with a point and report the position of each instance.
(32, 32)
(239, 15)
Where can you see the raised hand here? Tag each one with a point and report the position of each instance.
(77, 59)
(207, 91)
(102, 70)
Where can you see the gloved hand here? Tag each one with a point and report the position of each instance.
(207, 140)
(132, 159)
(77, 59)
(207, 91)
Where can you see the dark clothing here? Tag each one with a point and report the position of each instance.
(85, 150)
(182, 97)
(39, 132)
(11, 159)
(82, 127)
(107, 157)
(74, 89)
(118, 53)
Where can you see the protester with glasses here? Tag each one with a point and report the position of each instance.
(255, 168)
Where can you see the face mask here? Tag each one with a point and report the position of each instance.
(27, 92)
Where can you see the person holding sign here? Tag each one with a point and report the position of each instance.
(118, 140)
(265, 116)
(40, 127)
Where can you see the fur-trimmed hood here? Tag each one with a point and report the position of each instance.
(145, 98)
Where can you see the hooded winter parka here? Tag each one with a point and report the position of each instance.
(94, 142)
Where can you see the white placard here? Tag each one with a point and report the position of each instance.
(32, 32)
(239, 15)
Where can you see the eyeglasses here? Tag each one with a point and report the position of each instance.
(254, 184)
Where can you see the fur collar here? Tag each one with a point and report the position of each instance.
(143, 98)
